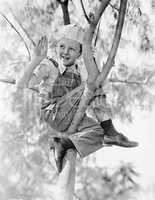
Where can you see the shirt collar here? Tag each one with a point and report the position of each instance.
(73, 69)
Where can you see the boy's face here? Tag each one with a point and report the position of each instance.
(68, 51)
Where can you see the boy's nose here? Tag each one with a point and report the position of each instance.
(66, 51)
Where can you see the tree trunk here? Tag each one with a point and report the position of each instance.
(66, 181)
(67, 176)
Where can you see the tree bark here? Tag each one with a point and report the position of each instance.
(89, 62)
(67, 177)
(106, 69)
(66, 181)
(64, 6)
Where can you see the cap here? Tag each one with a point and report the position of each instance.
(71, 31)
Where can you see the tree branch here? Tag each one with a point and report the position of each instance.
(8, 80)
(24, 30)
(106, 69)
(113, 7)
(89, 61)
(97, 33)
(101, 9)
(84, 11)
(64, 6)
(149, 77)
(66, 180)
(127, 82)
(12, 81)
(17, 33)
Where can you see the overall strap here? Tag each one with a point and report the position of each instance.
(54, 62)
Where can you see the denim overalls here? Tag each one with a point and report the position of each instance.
(60, 105)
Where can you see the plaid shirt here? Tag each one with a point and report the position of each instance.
(53, 84)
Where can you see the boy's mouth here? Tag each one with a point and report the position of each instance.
(65, 58)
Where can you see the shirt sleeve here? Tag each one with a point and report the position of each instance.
(43, 77)
(42, 71)
(45, 70)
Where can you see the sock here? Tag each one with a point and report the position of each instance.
(67, 143)
(105, 125)
(108, 127)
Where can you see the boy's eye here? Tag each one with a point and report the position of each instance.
(72, 49)
(62, 46)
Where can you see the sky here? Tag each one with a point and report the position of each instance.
(141, 130)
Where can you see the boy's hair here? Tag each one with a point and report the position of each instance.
(71, 31)
(80, 48)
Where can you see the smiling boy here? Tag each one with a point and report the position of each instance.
(61, 97)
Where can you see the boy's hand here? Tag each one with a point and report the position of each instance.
(99, 99)
(99, 104)
(40, 50)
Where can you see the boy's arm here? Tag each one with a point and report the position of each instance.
(27, 75)
(40, 52)
(89, 60)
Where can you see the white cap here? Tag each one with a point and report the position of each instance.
(71, 31)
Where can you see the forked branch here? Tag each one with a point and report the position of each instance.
(84, 11)
(89, 61)
(8, 21)
(106, 69)
(94, 19)
(22, 27)
(64, 6)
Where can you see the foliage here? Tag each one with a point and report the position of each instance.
(98, 183)
(26, 172)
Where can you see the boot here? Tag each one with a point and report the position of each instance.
(113, 137)
(60, 146)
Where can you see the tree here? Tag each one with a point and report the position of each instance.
(36, 19)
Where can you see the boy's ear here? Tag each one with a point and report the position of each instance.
(79, 54)
(80, 51)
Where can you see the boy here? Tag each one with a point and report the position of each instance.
(60, 98)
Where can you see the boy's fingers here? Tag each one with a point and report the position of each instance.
(45, 42)
(42, 42)
(45, 37)
(39, 43)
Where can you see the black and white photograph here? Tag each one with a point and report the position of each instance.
(77, 99)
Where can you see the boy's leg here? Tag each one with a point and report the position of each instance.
(88, 139)
(113, 137)
(102, 112)
(61, 145)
